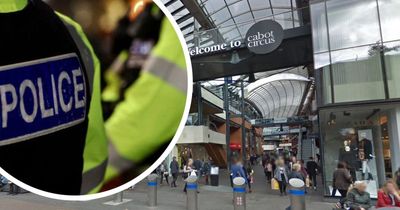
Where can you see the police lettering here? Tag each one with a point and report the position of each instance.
(29, 98)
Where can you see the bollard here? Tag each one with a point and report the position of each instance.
(191, 195)
(239, 193)
(118, 200)
(297, 194)
(152, 194)
(119, 197)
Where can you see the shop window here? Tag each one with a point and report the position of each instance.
(358, 138)
(357, 74)
(319, 29)
(352, 23)
(392, 62)
(390, 18)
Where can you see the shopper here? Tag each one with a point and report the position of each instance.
(164, 173)
(358, 198)
(397, 176)
(250, 177)
(292, 160)
(174, 168)
(198, 164)
(188, 170)
(312, 170)
(237, 170)
(206, 169)
(296, 173)
(281, 175)
(341, 179)
(303, 169)
(388, 195)
(268, 170)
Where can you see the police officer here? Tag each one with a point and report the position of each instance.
(52, 135)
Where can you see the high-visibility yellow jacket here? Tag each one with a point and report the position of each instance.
(145, 120)
(153, 106)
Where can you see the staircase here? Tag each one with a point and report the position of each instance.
(217, 153)
(307, 149)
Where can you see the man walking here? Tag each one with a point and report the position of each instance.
(174, 167)
(312, 169)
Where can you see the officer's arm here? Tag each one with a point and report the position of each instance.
(153, 107)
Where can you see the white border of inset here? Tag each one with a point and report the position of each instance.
(159, 160)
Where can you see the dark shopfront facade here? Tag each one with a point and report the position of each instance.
(357, 60)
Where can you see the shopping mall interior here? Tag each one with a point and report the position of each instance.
(326, 82)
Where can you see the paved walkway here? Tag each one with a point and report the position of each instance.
(210, 198)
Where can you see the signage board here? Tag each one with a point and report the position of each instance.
(263, 37)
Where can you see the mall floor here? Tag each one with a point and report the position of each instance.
(210, 198)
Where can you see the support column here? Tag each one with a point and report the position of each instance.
(244, 157)
(300, 145)
(394, 137)
(199, 104)
(227, 123)
(380, 162)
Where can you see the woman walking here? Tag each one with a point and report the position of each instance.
(281, 175)
(187, 171)
(250, 172)
(342, 179)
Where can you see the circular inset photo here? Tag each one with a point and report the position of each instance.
(93, 94)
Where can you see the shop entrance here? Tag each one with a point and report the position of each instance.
(359, 136)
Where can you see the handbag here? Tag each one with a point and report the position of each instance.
(308, 181)
(274, 184)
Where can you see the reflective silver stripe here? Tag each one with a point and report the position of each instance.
(120, 163)
(85, 52)
(93, 177)
(167, 71)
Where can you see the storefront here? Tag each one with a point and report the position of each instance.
(364, 137)
(356, 56)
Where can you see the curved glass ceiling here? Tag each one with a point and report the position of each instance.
(279, 95)
(230, 19)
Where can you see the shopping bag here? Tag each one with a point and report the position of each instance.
(274, 184)
(308, 181)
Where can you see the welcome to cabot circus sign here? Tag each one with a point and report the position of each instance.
(261, 38)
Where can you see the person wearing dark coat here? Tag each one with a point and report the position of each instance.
(174, 167)
(341, 179)
(296, 172)
(312, 170)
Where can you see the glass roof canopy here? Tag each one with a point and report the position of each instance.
(279, 95)
(230, 18)
(276, 93)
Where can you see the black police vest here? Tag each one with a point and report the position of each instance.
(42, 74)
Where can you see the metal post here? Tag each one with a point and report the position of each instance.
(199, 104)
(300, 145)
(191, 195)
(243, 124)
(152, 193)
(119, 197)
(297, 194)
(227, 123)
(239, 193)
